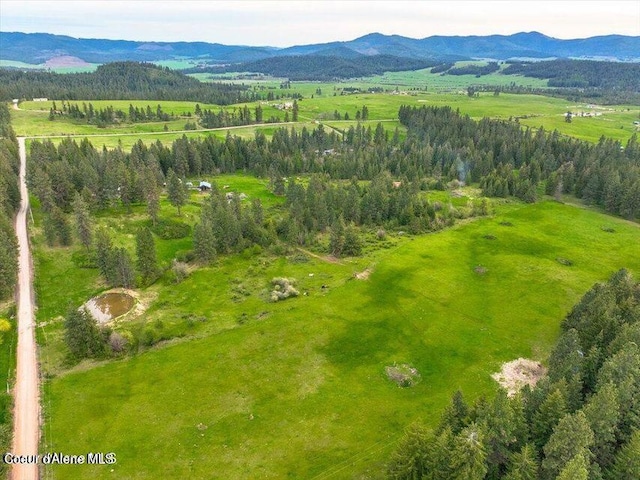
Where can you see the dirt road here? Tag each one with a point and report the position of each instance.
(26, 426)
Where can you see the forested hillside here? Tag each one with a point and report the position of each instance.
(582, 421)
(581, 73)
(9, 203)
(323, 67)
(118, 81)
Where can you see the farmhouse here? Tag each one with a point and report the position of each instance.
(43, 99)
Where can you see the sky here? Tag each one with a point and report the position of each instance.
(293, 22)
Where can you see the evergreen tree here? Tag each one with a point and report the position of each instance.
(104, 254)
(8, 259)
(147, 261)
(176, 191)
(352, 246)
(523, 464)
(547, 417)
(122, 268)
(84, 226)
(60, 225)
(82, 335)
(603, 412)
(469, 455)
(627, 461)
(571, 437)
(456, 415)
(336, 238)
(153, 197)
(410, 459)
(576, 469)
(204, 243)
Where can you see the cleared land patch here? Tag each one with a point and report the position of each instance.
(301, 391)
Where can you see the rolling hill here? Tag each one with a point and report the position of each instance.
(38, 48)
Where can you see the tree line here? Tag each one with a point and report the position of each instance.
(509, 160)
(581, 73)
(581, 421)
(321, 67)
(9, 203)
(441, 146)
(120, 81)
(108, 115)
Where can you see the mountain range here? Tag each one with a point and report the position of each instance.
(39, 48)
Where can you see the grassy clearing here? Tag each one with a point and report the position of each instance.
(298, 388)
(531, 110)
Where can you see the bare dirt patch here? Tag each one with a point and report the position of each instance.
(403, 375)
(363, 275)
(518, 373)
(327, 258)
(480, 270)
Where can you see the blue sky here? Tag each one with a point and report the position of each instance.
(286, 23)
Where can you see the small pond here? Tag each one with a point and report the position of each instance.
(109, 306)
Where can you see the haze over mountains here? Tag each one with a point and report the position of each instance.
(38, 48)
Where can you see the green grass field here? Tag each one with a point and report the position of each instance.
(531, 110)
(297, 389)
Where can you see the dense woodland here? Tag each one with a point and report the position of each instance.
(441, 147)
(581, 421)
(322, 67)
(9, 204)
(477, 70)
(581, 73)
(119, 81)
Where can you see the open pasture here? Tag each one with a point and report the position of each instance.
(530, 110)
(297, 388)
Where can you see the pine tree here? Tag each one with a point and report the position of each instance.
(627, 461)
(82, 335)
(603, 412)
(104, 254)
(152, 195)
(147, 261)
(572, 436)
(469, 455)
(122, 268)
(352, 246)
(576, 469)
(204, 243)
(84, 226)
(547, 417)
(336, 238)
(456, 415)
(8, 259)
(176, 191)
(411, 457)
(523, 464)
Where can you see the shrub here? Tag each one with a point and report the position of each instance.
(180, 271)
(171, 229)
(283, 288)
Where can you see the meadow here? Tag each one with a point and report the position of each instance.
(534, 111)
(297, 389)
(226, 384)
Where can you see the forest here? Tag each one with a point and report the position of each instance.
(9, 204)
(119, 81)
(581, 73)
(581, 421)
(442, 146)
(322, 67)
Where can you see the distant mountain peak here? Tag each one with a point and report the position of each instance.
(38, 48)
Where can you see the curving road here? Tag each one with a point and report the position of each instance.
(26, 421)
